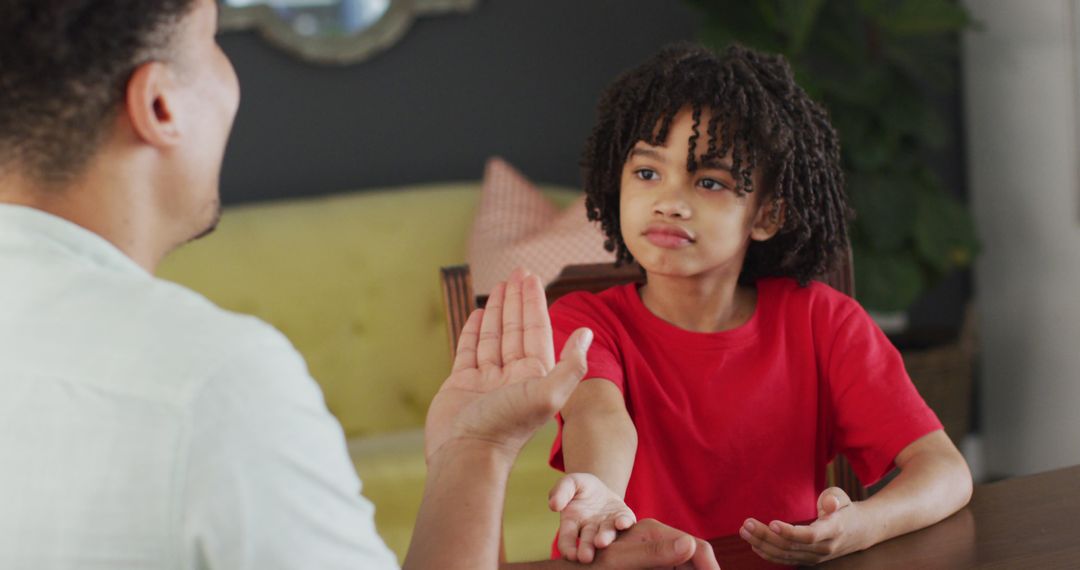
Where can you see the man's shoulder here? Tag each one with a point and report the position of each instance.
(186, 340)
(200, 323)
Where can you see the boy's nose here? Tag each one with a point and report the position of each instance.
(671, 206)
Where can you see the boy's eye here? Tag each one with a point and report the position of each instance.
(710, 184)
(646, 174)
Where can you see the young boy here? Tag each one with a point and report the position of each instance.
(718, 391)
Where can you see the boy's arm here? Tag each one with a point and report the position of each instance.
(599, 442)
(934, 482)
(598, 435)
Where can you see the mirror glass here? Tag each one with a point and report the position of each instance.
(334, 32)
(322, 18)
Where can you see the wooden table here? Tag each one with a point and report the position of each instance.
(1026, 522)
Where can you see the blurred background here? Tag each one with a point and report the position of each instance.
(959, 122)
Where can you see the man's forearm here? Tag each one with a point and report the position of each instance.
(603, 445)
(460, 519)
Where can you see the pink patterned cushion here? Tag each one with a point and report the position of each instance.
(516, 225)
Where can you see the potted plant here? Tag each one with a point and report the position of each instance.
(876, 66)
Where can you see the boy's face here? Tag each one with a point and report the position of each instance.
(689, 224)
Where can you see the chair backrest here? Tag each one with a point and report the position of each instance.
(460, 301)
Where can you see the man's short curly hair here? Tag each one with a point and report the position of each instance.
(759, 115)
(64, 65)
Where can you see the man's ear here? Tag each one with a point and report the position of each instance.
(768, 220)
(149, 105)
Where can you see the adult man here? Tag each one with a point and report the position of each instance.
(143, 427)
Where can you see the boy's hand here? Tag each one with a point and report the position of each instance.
(651, 544)
(836, 532)
(590, 515)
(505, 384)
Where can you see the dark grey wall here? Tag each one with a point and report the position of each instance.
(517, 78)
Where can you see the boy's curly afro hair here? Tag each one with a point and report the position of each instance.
(761, 117)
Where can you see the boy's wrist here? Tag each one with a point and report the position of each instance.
(866, 526)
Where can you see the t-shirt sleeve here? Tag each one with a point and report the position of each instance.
(576, 311)
(876, 410)
(568, 314)
(269, 482)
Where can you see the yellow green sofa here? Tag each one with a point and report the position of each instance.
(352, 280)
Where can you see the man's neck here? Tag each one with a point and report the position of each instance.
(101, 204)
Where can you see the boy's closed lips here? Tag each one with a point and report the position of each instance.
(668, 236)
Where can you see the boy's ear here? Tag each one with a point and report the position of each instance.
(149, 105)
(768, 220)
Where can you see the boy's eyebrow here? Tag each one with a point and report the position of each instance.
(706, 163)
(714, 164)
(645, 152)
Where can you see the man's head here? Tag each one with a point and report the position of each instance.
(121, 90)
(64, 73)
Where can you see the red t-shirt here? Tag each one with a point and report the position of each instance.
(741, 423)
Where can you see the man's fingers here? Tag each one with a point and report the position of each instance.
(652, 553)
(562, 493)
(704, 558)
(489, 347)
(537, 341)
(572, 366)
(568, 539)
(465, 357)
(513, 347)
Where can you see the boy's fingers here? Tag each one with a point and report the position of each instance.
(585, 548)
(567, 541)
(465, 358)
(562, 493)
(624, 521)
(769, 552)
(808, 537)
(606, 535)
(756, 533)
(792, 533)
(831, 500)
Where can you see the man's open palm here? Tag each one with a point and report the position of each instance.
(504, 384)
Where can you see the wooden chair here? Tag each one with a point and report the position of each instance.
(460, 301)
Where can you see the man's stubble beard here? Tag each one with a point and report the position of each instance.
(212, 225)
